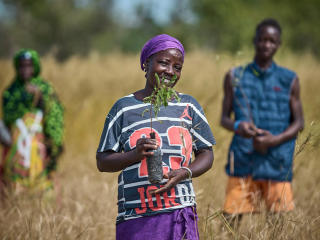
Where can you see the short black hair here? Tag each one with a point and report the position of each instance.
(269, 22)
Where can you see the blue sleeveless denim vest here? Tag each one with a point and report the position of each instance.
(268, 94)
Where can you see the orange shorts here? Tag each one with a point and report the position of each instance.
(244, 196)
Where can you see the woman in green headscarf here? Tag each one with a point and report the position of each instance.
(34, 116)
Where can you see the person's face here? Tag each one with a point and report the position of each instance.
(25, 69)
(266, 42)
(165, 63)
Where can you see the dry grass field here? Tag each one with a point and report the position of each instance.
(88, 87)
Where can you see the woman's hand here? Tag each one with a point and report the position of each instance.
(175, 176)
(142, 145)
(201, 164)
(33, 89)
(111, 161)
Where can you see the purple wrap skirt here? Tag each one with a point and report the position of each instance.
(176, 225)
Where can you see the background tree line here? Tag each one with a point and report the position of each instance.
(67, 27)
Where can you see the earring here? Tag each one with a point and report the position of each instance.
(145, 70)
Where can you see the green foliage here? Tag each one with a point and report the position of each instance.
(161, 95)
(65, 28)
(59, 27)
(230, 25)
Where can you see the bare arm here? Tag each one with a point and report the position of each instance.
(5, 137)
(111, 161)
(297, 115)
(202, 163)
(226, 121)
(246, 129)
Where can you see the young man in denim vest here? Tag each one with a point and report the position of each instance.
(265, 100)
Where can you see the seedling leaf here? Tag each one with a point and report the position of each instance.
(161, 95)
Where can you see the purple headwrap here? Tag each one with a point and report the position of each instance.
(159, 43)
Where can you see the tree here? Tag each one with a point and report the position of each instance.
(59, 25)
(230, 25)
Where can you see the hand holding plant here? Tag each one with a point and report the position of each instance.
(161, 95)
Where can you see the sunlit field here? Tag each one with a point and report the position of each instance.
(88, 87)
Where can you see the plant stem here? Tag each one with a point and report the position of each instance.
(151, 117)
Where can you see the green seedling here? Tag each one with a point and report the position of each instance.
(161, 96)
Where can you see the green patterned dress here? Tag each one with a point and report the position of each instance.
(36, 126)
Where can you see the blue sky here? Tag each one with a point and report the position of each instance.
(160, 9)
(3, 12)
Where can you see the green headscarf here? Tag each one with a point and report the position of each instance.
(28, 54)
(17, 102)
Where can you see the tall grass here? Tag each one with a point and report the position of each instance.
(88, 88)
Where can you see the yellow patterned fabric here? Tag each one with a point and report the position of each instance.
(26, 161)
